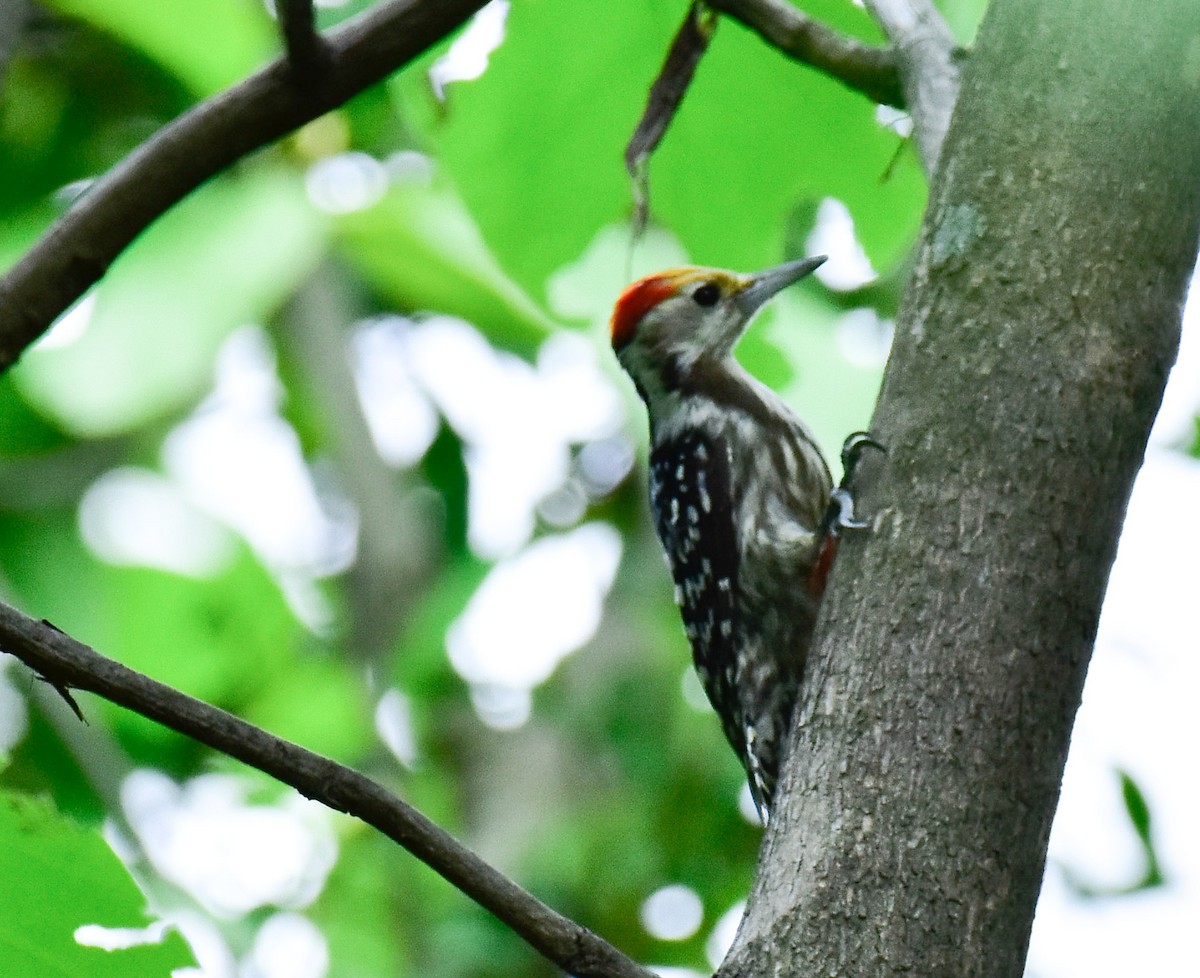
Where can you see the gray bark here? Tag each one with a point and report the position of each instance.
(1030, 357)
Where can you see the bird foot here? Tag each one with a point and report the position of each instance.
(839, 515)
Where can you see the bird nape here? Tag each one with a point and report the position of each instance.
(742, 499)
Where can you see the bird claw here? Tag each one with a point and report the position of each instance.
(852, 450)
(839, 515)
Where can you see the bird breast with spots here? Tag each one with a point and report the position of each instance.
(734, 547)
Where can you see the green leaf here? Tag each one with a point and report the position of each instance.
(1194, 448)
(24, 431)
(50, 572)
(20, 230)
(73, 103)
(556, 112)
(226, 256)
(1136, 807)
(370, 873)
(1151, 875)
(759, 136)
(208, 46)
(756, 136)
(320, 703)
(420, 248)
(58, 878)
(220, 639)
(41, 765)
(1139, 815)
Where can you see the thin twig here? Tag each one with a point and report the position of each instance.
(870, 70)
(666, 95)
(63, 661)
(928, 61)
(78, 248)
(306, 50)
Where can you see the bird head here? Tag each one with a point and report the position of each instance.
(666, 323)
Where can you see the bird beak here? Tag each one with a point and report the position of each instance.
(760, 287)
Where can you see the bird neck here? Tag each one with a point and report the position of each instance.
(680, 395)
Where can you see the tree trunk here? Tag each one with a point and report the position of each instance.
(1029, 361)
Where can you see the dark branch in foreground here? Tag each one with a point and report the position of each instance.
(306, 50)
(79, 247)
(69, 664)
(870, 70)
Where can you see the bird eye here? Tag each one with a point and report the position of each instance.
(707, 294)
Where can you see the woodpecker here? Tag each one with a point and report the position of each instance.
(742, 498)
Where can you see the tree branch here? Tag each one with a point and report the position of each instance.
(927, 60)
(79, 247)
(870, 70)
(67, 663)
(307, 52)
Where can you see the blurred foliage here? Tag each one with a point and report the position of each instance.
(501, 200)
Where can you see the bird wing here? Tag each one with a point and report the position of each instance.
(690, 484)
